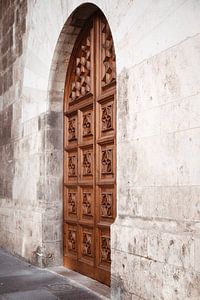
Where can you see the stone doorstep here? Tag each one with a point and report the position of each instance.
(97, 288)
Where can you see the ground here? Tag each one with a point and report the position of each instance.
(20, 280)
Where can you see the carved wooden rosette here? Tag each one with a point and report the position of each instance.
(89, 152)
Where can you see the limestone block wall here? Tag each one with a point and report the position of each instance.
(155, 239)
(16, 138)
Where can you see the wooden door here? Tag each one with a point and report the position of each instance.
(90, 152)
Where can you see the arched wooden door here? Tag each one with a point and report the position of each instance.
(90, 152)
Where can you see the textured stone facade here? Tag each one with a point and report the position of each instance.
(12, 41)
(155, 238)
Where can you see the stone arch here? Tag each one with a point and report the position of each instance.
(63, 50)
(52, 121)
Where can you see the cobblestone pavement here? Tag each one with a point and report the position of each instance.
(22, 281)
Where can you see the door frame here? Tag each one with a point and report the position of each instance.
(107, 93)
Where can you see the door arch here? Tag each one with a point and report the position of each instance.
(90, 151)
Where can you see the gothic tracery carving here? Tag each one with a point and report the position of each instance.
(107, 117)
(87, 163)
(87, 124)
(106, 161)
(87, 207)
(72, 129)
(87, 243)
(72, 166)
(72, 240)
(105, 249)
(106, 205)
(72, 203)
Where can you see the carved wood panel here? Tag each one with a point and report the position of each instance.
(108, 55)
(87, 123)
(87, 204)
(87, 244)
(107, 161)
(105, 249)
(106, 205)
(72, 165)
(107, 117)
(80, 84)
(70, 240)
(90, 151)
(87, 163)
(72, 128)
(72, 207)
(87, 212)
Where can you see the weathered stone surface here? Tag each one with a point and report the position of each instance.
(13, 27)
(155, 239)
(152, 279)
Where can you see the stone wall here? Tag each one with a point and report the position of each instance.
(12, 45)
(155, 238)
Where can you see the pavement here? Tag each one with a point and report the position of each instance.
(20, 280)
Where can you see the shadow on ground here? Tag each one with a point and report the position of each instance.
(22, 281)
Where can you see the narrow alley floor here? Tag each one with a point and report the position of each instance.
(22, 281)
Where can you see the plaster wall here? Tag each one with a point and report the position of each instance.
(155, 238)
